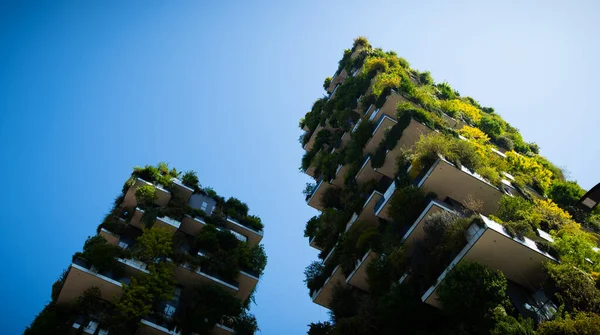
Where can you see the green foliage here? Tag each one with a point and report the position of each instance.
(331, 198)
(565, 193)
(58, 285)
(146, 291)
(201, 307)
(326, 83)
(190, 179)
(146, 194)
(154, 243)
(101, 254)
(312, 225)
(491, 126)
(406, 205)
(446, 91)
(513, 208)
(258, 259)
(571, 324)
(234, 207)
(576, 289)
(319, 328)
(52, 320)
(245, 324)
(425, 78)
(505, 142)
(361, 41)
(575, 247)
(508, 325)
(314, 276)
(470, 293)
(386, 269)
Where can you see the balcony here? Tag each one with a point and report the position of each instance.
(367, 173)
(221, 329)
(332, 95)
(340, 175)
(344, 140)
(91, 328)
(416, 232)
(129, 201)
(367, 214)
(164, 222)
(311, 141)
(358, 277)
(314, 200)
(187, 277)
(337, 79)
(382, 207)
(314, 245)
(247, 282)
(253, 237)
(389, 106)
(110, 237)
(329, 256)
(409, 137)
(82, 276)
(452, 122)
(447, 180)
(147, 327)
(323, 295)
(238, 236)
(383, 125)
(182, 190)
(192, 225)
(520, 261)
(134, 267)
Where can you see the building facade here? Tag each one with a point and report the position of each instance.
(171, 257)
(417, 186)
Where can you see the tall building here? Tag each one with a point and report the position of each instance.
(171, 257)
(434, 212)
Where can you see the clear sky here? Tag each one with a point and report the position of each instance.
(87, 91)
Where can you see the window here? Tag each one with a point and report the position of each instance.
(204, 206)
(169, 311)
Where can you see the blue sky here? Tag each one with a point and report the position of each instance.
(90, 90)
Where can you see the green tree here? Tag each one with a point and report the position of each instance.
(571, 324)
(576, 289)
(491, 126)
(201, 307)
(470, 293)
(565, 193)
(146, 194)
(154, 243)
(319, 328)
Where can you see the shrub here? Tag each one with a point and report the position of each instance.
(576, 290)
(571, 324)
(471, 292)
(565, 193)
(491, 126)
(201, 307)
(311, 273)
(154, 243)
(361, 41)
(320, 328)
(425, 78)
(505, 142)
(406, 205)
(190, 179)
(456, 108)
(528, 171)
(513, 208)
(326, 83)
(146, 194)
(575, 247)
(312, 225)
(446, 91)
